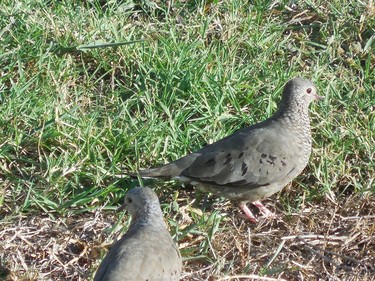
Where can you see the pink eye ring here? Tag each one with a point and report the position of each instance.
(309, 90)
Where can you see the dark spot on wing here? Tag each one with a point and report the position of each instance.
(260, 161)
(273, 158)
(283, 163)
(263, 155)
(240, 155)
(243, 168)
(211, 162)
(229, 158)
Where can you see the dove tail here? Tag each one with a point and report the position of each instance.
(158, 172)
(170, 170)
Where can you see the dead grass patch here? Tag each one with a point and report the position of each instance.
(324, 241)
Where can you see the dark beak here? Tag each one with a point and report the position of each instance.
(121, 208)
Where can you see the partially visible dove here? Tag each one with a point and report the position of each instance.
(254, 162)
(146, 251)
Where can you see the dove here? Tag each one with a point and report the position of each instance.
(255, 162)
(146, 251)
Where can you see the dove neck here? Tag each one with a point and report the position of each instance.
(295, 118)
(148, 215)
(295, 112)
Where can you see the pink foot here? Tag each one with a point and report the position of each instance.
(248, 213)
(267, 213)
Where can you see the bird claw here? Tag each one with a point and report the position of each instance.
(266, 213)
(250, 216)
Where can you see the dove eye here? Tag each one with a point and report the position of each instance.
(309, 90)
(129, 200)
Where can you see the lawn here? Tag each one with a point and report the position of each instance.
(76, 115)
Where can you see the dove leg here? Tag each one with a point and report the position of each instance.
(267, 213)
(248, 213)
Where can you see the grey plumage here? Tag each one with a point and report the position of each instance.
(146, 251)
(257, 161)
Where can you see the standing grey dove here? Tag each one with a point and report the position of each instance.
(256, 161)
(146, 251)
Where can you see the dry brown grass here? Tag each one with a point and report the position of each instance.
(325, 241)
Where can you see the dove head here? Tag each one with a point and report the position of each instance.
(300, 92)
(142, 203)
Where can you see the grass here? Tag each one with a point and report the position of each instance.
(75, 121)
